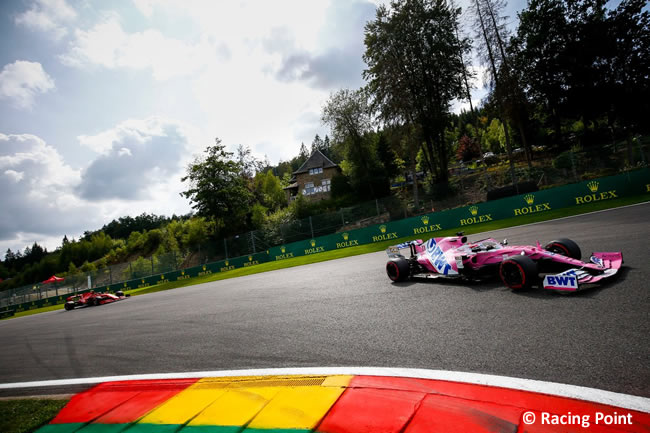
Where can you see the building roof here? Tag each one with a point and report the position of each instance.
(292, 186)
(315, 160)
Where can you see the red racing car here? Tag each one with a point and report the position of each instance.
(91, 298)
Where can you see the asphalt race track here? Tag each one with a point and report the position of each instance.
(347, 313)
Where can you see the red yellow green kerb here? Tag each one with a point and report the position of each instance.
(329, 404)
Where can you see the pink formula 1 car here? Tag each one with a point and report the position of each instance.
(91, 298)
(519, 267)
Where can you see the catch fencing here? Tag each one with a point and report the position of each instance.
(384, 225)
(347, 218)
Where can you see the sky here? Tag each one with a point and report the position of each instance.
(104, 104)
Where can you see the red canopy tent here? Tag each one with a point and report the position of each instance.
(52, 279)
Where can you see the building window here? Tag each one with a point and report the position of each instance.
(310, 189)
(316, 170)
(325, 185)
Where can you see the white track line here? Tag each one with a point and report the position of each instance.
(626, 401)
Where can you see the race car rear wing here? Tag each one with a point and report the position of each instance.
(394, 251)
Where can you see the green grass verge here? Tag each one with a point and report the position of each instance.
(37, 310)
(26, 415)
(379, 246)
(18, 416)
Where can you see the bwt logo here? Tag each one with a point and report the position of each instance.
(473, 210)
(425, 219)
(529, 198)
(345, 236)
(562, 281)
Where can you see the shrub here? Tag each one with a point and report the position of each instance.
(468, 149)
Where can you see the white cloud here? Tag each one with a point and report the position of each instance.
(43, 198)
(246, 21)
(36, 187)
(21, 81)
(145, 7)
(15, 176)
(335, 61)
(281, 62)
(49, 16)
(99, 143)
(137, 157)
(108, 45)
(124, 151)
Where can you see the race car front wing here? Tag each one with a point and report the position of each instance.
(602, 265)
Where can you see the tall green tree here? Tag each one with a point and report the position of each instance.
(628, 79)
(317, 144)
(415, 70)
(249, 165)
(387, 156)
(493, 35)
(217, 190)
(304, 153)
(541, 46)
(268, 190)
(582, 62)
(348, 114)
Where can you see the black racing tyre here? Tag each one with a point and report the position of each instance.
(565, 247)
(518, 272)
(119, 293)
(69, 306)
(398, 269)
(94, 302)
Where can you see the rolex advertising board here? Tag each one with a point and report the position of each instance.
(424, 226)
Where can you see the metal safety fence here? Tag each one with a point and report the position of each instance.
(348, 218)
(382, 225)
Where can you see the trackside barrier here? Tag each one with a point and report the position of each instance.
(6, 312)
(575, 195)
